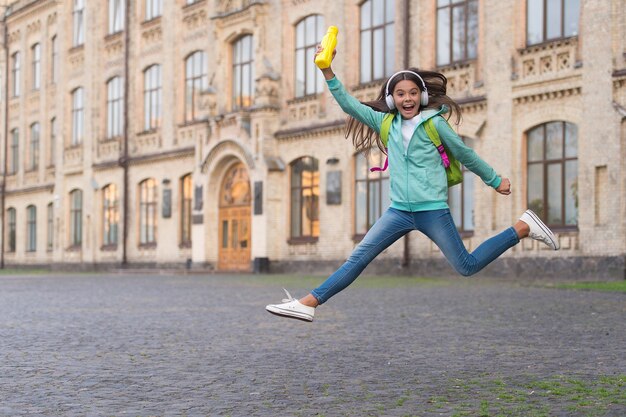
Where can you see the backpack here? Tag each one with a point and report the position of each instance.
(453, 167)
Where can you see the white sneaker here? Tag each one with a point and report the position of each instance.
(539, 231)
(292, 308)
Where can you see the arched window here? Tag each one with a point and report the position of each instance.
(11, 229)
(552, 155)
(309, 32)
(185, 210)
(115, 107)
(36, 70)
(147, 212)
(377, 39)
(152, 97)
(54, 59)
(548, 20)
(461, 199)
(305, 192)
(16, 71)
(14, 152)
(371, 191)
(34, 146)
(196, 81)
(50, 227)
(457, 31)
(78, 116)
(110, 215)
(31, 228)
(243, 72)
(76, 218)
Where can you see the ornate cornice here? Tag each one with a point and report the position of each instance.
(547, 95)
(318, 130)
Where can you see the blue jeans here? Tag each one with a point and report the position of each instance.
(437, 225)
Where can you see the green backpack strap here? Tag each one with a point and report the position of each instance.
(384, 128)
(453, 167)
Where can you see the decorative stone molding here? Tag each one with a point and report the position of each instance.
(109, 149)
(52, 18)
(114, 46)
(145, 142)
(461, 80)
(76, 59)
(547, 95)
(207, 103)
(187, 134)
(14, 36)
(73, 155)
(195, 17)
(548, 60)
(33, 27)
(304, 109)
(310, 132)
(227, 7)
(151, 31)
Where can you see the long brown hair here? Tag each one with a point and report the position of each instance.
(364, 137)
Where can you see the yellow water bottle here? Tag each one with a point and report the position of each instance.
(329, 42)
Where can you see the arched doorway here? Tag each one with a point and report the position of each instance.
(234, 220)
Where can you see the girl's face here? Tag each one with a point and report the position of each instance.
(406, 95)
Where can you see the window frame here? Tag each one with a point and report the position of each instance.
(78, 23)
(152, 97)
(379, 180)
(78, 116)
(52, 144)
(31, 228)
(195, 82)
(186, 201)
(49, 227)
(115, 107)
(300, 189)
(35, 141)
(11, 230)
(76, 218)
(545, 162)
(303, 56)
(36, 66)
(545, 37)
(14, 152)
(16, 74)
(116, 16)
(147, 213)
(368, 71)
(110, 216)
(242, 70)
(153, 9)
(465, 55)
(54, 59)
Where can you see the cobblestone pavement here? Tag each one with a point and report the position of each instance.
(202, 345)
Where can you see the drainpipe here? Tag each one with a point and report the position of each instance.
(6, 142)
(124, 158)
(406, 254)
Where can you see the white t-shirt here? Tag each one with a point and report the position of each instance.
(408, 127)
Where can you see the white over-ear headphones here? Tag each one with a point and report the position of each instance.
(389, 96)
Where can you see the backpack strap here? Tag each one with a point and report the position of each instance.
(384, 137)
(431, 130)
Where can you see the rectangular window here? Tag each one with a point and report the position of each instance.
(115, 108)
(78, 37)
(116, 16)
(15, 152)
(152, 97)
(53, 140)
(377, 39)
(16, 74)
(110, 211)
(54, 59)
(308, 33)
(153, 9)
(11, 229)
(31, 233)
(76, 218)
(305, 198)
(196, 81)
(548, 20)
(457, 31)
(371, 191)
(50, 228)
(243, 73)
(185, 218)
(78, 117)
(147, 212)
(36, 70)
(34, 146)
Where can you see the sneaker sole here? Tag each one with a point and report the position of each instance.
(545, 229)
(290, 314)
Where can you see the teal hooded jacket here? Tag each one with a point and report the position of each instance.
(417, 176)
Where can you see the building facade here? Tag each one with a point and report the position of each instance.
(199, 133)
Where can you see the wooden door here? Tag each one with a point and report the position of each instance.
(234, 221)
